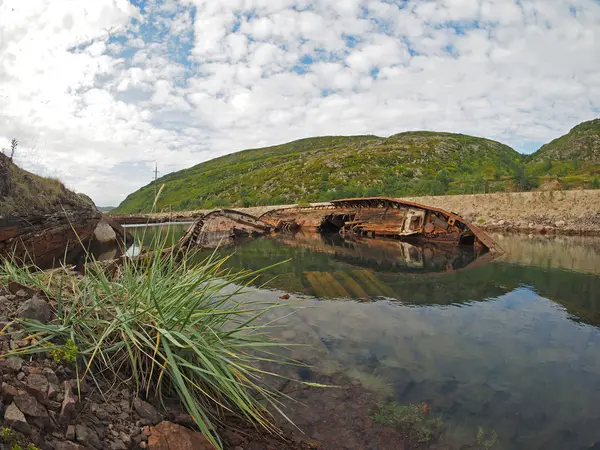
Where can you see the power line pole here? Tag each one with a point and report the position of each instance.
(155, 179)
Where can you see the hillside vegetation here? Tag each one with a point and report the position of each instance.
(25, 194)
(572, 159)
(405, 164)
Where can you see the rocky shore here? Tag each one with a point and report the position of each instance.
(45, 405)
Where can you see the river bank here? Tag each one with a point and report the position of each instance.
(543, 212)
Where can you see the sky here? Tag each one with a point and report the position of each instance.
(99, 91)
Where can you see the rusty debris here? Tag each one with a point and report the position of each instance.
(379, 217)
(222, 228)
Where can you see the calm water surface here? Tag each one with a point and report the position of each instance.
(512, 345)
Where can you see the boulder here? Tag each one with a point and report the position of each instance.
(36, 308)
(168, 436)
(104, 233)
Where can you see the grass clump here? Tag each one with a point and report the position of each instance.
(164, 324)
(412, 419)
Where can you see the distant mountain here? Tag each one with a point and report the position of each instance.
(325, 168)
(105, 209)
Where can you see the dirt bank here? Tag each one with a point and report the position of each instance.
(558, 212)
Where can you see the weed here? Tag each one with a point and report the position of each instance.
(412, 419)
(487, 441)
(32, 447)
(66, 354)
(7, 434)
(16, 447)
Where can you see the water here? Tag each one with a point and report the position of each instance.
(511, 345)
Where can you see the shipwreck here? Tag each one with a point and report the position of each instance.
(376, 217)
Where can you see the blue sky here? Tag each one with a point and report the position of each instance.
(98, 88)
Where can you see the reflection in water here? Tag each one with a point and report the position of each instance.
(510, 345)
(497, 346)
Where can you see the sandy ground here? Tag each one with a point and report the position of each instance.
(562, 212)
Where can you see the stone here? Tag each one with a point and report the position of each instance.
(143, 445)
(146, 411)
(12, 364)
(50, 376)
(560, 224)
(14, 418)
(284, 296)
(117, 444)
(67, 445)
(36, 308)
(70, 433)
(68, 405)
(84, 434)
(21, 376)
(29, 405)
(53, 391)
(167, 436)
(8, 392)
(21, 293)
(37, 385)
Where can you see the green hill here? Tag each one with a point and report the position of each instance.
(405, 164)
(24, 194)
(325, 168)
(574, 158)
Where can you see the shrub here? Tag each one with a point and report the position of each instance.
(176, 327)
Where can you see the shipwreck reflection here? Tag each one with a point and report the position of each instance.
(330, 267)
(385, 254)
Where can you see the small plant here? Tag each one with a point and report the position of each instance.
(66, 354)
(485, 440)
(596, 183)
(7, 434)
(16, 447)
(32, 447)
(412, 419)
(13, 147)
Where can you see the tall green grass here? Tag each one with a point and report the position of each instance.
(170, 326)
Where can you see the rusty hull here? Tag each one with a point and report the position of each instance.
(382, 217)
(222, 227)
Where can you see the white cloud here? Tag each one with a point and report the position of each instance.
(97, 90)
